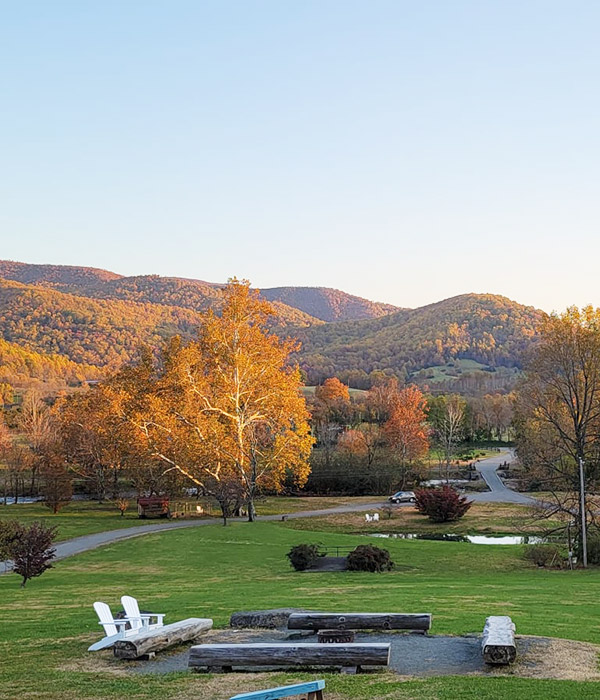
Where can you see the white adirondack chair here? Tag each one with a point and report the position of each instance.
(368, 517)
(137, 619)
(376, 517)
(113, 629)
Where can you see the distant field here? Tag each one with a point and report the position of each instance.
(481, 519)
(310, 390)
(451, 371)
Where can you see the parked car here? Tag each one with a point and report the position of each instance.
(403, 497)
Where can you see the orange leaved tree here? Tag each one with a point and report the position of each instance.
(406, 430)
(224, 409)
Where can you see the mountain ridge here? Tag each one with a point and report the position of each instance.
(311, 304)
(98, 320)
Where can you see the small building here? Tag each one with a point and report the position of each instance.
(153, 507)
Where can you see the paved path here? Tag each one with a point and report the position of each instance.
(498, 493)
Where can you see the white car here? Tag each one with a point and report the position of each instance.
(403, 497)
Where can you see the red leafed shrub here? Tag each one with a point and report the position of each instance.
(30, 548)
(441, 504)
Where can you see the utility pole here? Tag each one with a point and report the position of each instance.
(582, 510)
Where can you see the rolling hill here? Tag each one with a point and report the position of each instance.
(491, 330)
(96, 320)
(298, 306)
(328, 304)
(99, 332)
(21, 368)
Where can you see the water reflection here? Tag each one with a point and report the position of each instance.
(474, 539)
(6, 501)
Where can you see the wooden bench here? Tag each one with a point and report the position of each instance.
(498, 640)
(360, 621)
(350, 657)
(312, 690)
(149, 641)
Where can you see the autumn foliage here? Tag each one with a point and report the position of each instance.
(406, 429)
(442, 504)
(224, 408)
(29, 547)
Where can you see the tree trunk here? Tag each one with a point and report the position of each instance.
(159, 638)
(251, 509)
(360, 621)
(297, 654)
(33, 477)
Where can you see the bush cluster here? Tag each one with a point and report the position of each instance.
(303, 556)
(593, 547)
(442, 504)
(546, 555)
(366, 557)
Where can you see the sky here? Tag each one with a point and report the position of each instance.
(402, 151)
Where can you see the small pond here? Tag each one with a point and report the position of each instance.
(10, 501)
(474, 539)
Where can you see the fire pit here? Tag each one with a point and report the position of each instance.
(335, 636)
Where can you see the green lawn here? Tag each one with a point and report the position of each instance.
(78, 518)
(87, 517)
(214, 571)
(480, 519)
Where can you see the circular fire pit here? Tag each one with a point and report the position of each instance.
(335, 636)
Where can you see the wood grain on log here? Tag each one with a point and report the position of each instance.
(498, 641)
(360, 621)
(159, 638)
(289, 655)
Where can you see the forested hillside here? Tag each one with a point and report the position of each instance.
(187, 294)
(300, 306)
(328, 304)
(87, 331)
(488, 329)
(66, 278)
(22, 368)
(97, 320)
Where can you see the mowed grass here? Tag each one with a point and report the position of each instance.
(214, 571)
(481, 518)
(88, 517)
(76, 519)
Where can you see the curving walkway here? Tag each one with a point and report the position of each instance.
(498, 493)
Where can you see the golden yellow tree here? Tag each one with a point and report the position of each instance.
(227, 406)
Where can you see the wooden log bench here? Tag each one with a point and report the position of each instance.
(360, 621)
(148, 642)
(313, 690)
(350, 657)
(498, 640)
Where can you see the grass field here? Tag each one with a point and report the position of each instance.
(480, 519)
(214, 571)
(87, 517)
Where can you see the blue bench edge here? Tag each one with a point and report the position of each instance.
(285, 691)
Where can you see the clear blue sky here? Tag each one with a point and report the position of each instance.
(404, 151)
